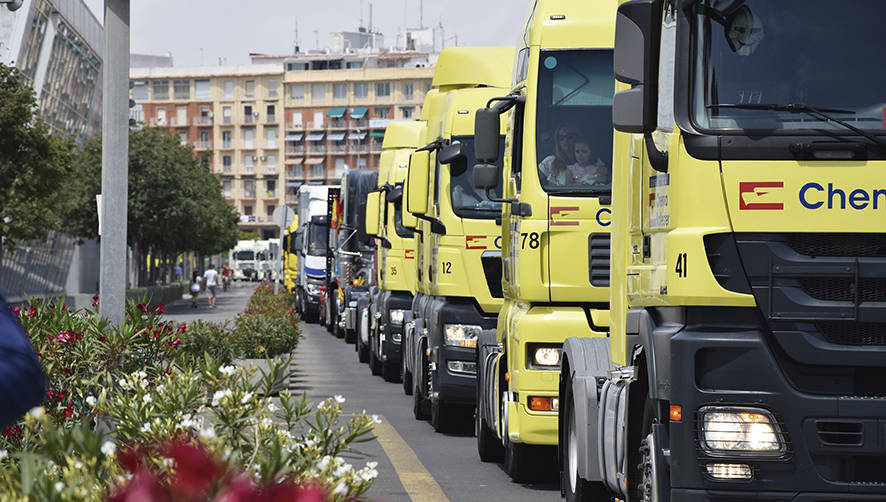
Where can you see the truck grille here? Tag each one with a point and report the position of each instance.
(853, 333)
(598, 260)
(492, 271)
(842, 289)
(855, 245)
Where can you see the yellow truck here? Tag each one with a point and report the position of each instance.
(391, 301)
(748, 326)
(458, 260)
(290, 257)
(555, 237)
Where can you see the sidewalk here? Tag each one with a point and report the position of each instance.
(228, 304)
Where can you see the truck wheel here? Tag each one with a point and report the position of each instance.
(489, 447)
(350, 335)
(374, 361)
(576, 488)
(362, 349)
(443, 416)
(420, 404)
(650, 486)
(518, 462)
(389, 371)
(405, 375)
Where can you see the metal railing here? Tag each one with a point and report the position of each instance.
(202, 145)
(270, 118)
(295, 127)
(339, 148)
(248, 119)
(337, 124)
(203, 121)
(295, 175)
(321, 148)
(359, 148)
(175, 122)
(37, 268)
(227, 120)
(291, 199)
(295, 149)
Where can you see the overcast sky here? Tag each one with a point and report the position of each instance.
(202, 31)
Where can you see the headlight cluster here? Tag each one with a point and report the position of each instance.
(314, 289)
(543, 356)
(395, 316)
(739, 430)
(461, 335)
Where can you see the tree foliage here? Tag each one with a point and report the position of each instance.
(175, 205)
(34, 165)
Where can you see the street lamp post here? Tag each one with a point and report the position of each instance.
(115, 161)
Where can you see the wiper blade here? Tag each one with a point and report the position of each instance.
(822, 114)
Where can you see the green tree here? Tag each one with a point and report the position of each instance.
(34, 165)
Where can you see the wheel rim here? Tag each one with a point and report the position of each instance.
(572, 456)
(649, 479)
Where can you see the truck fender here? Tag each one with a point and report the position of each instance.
(488, 351)
(588, 362)
(653, 334)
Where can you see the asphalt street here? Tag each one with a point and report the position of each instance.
(414, 462)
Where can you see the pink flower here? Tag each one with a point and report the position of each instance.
(175, 342)
(182, 328)
(32, 312)
(16, 310)
(95, 301)
(142, 307)
(160, 308)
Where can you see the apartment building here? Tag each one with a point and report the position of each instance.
(266, 128)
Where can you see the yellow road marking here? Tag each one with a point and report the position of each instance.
(418, 482)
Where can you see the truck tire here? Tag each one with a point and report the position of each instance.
(362, 349)
(374, 363)
(405, 376)
(575, 488)
(519, 462)
(420, 404)
(489, 447)
(390, 371)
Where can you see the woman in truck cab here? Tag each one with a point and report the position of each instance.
(553, 169)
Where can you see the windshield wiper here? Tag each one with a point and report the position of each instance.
(822, 114)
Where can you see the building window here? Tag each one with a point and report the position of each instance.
(140, 90)
(226, 115)
(340, 91)
(355, 65)
(408, 91)
(361, 89)
(247, 210)
(227, 163)
(407, 112)
(318, 171)
(271, 189)
(297, 91)
(248, 138)
(250, 88)
(160, 89)
(318, 91)
(271, 163)
(229, 89)
(161, 116)
(381, 113)
(183, 138)
(227, 187)
(296, 119)
(271, 138)
(226, 139)
(318, 119)
(201, 89)
(249, 164)
(382, 89)
(269, 210)
(181, 116)
(181, 89)
(272, 88)
(204, 139)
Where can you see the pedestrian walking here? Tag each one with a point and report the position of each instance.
(195, 288)
(211, 278)
(178, 272)
(22, 382)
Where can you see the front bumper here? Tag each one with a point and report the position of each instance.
(835, 441)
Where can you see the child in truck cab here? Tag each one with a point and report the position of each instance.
(583, 171)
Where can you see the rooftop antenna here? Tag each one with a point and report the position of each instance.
(421, 14)
(361, 14)
(296, 44)
(370, 17)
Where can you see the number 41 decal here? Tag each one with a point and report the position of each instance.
(681, 269)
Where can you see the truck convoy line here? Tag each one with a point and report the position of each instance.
(644, 244)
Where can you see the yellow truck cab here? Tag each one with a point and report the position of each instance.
(748, 339)
(458, 262)
(391, 301)
(556, 212)
(290, 257)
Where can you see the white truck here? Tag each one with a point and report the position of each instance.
(242, 260)
(311, 241)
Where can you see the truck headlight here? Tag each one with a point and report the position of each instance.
(740, 430)
(543, 356)
(313, 289)
(395, 316)
(461, 335)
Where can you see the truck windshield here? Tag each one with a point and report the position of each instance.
(467, 202)
(574, 127)
(244, 255)
(789, 52)
(317, 242)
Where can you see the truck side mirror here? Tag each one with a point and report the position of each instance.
(418, 179)
(636, 63)
(394, 195)
(372, 213)
(451, 153)
(486, 135)
(485, 177)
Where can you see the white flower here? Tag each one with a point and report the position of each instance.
(90, 400)
(220, 396)
(341, 489)
(59, 486)
(161, 388)
(272, 407)
(339, 399)
(321, 405)
(371, 465)
(227, 370)
(324, 463)
(124, 384)
(37, 412)
(145, 383)
(146, 428)
(142, 374)
(108, 448)
(376, 419)
(207, 433)
(368, 474)
(167, 462)
(147, 398)
(3, 454)
(78, 465)
(246, 398)
(267, 422)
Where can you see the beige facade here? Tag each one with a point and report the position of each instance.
(264, 131)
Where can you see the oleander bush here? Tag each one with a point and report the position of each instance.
(140, 412)
(269, 325)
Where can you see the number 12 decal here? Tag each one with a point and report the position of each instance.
(681, 269)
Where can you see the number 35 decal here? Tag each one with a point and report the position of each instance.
(681, 269)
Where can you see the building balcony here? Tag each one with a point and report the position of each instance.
(227, 120)
(269, 170)
(158, 122)
(359, 148)
(249, 119)
(226, 170)
(359, 124)
(227, 145)
(295, 126)
(295, 149)
(292, 175)
(248, 195)
(203, 121)
(270, 194)
(202, 145)
(337, 124)
(270, 119)
(291, 199)
(248, 170)
(314, 125)
(175, 122)
(317, 149)
(338, 149)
